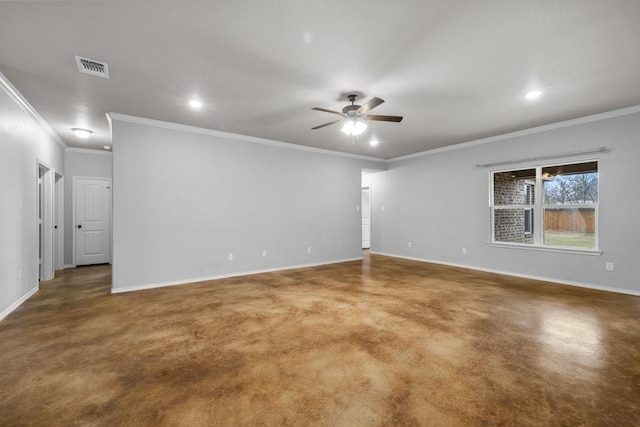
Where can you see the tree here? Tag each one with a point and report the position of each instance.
(581, 188)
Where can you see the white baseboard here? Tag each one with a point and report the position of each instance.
(18, 303)
(225, 276)
(69, 266)
(524, 276)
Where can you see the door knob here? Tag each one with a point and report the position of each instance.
(79, 226)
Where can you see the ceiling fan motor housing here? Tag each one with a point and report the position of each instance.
(351, 110)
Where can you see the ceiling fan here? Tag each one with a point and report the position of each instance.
(354, 116)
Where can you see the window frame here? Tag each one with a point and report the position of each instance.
(539, 207)
(529, 198)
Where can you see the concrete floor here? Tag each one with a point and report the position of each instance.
(379, 342)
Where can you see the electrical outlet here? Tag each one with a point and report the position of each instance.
(230, 257)
(357, 208)
(382, 208)
(264, 254)
(608, 266)
(20, 274)
(464, 250)
(409, 244)
(308, 249)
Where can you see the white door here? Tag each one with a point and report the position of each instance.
(366, 218)
(93, 220)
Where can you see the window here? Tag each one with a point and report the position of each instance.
(562, 199)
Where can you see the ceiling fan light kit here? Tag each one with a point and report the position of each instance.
(354, 127)
(354, 116)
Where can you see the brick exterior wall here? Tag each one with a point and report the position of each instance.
(509, 223)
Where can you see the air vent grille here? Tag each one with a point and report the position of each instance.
(95, 68)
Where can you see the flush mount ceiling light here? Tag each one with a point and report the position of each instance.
(195, 104)
(354, 127)
(82, 133)
(534, 94)
(373, 142)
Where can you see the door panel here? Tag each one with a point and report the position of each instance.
(93, 221)
(93, 242)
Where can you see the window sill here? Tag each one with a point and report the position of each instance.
(574, 251)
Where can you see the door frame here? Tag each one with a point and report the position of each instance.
(59, 221)
(73, 215)
(368, 188)
(45, 236)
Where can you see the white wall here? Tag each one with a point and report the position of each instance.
(440, 202)
(82, 163)
(184, 200)
(22, 143)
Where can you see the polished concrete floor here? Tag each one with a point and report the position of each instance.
(379, 342)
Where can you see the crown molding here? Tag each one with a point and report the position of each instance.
(235, 136)
(22, 102)
(530, 131)
(89, 151)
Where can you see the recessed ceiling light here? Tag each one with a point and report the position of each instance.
(106, 147)
(373, 142)
(195, 104)
(534, 94)
(82, 133)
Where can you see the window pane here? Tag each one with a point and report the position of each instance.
(574, 227)
(571, 184)
(514, 187)
(510, 225)
(528, 221)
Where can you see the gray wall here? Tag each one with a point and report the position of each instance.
(22, 143)
(182, 201)
(80, 163)
(440, 203)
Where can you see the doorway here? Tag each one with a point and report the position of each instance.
(92, 220)
(366, 217)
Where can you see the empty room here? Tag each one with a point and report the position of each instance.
(336, 213)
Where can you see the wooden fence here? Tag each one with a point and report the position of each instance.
(578, 220)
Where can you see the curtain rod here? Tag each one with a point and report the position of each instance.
(604, 150)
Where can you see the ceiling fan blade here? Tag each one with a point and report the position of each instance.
(326, 124)
(384, 118)
(370, 105)
(328, 111)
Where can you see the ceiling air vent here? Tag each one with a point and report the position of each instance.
(95, 68)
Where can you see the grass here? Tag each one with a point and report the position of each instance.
(569, 238)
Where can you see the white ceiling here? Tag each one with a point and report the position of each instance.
(456, 70)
